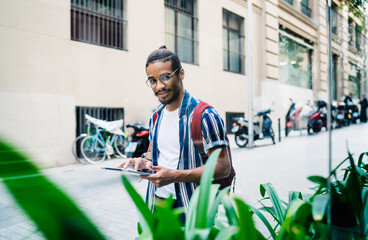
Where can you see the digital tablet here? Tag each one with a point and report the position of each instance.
(130, 171)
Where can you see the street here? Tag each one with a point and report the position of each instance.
(101, 195)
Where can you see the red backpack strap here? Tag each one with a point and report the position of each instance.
(197, 135)
(154, 118)
(196, 125)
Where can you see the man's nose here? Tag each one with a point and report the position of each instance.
(159, 85)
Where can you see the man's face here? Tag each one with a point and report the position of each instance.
(169, 92)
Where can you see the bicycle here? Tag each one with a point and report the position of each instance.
(77, 143)
(107, 140)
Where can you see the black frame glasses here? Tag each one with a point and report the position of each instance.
(164, 78)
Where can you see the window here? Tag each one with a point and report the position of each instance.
(334, 20)
(291, 2)
(351, 33)
(358, 39)
(99, 22)
(181, 29)
(295, 60)
(354, 80)
(304, 4)
(233, 42)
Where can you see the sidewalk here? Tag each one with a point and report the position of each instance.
(101, 195)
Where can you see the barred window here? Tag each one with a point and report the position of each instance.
(99, 22)
(181, 29)
(233, 42)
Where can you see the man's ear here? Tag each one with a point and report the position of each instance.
(181, 74)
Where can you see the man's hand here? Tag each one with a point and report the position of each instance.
(162, 177)
(136, 164)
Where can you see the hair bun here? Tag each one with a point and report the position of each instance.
(162, 47)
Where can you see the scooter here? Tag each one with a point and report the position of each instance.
(318, 119)
(296, 117)
(139, 140)
(342, 115)
(240, 129)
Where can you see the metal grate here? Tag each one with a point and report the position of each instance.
(108, 114)
(181, 29)
(99, 22)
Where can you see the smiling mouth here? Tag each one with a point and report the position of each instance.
(162, 92)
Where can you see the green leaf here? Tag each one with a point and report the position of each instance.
(280, 211)
(227, 233)
(191, 213)
(54, 213)
(205, 189)
(361, 156)
(146, 218)
(229, 209)
(168, 224)
(320, 204)
(265, 221)
(297, 221)
(354, 188)
(295, 195)
(365, 210)
(247, 229)
(215, 204)
(318, 180)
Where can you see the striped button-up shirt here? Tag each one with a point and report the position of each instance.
(213, 135)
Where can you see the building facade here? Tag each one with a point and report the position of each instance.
(61, 59)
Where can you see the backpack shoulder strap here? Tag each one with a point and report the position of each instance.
(154, 118)
(196, 127)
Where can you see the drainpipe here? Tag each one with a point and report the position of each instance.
(250, 87)
(329, 101)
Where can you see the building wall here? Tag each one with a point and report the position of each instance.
(44, 75)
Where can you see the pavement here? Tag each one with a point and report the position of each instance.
(102, 197)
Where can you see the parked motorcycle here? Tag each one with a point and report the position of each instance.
(139, 140)
(296, 117)
(318, 118)
(342, 115)
(240, 129)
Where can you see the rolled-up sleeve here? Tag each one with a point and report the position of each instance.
(213, 129)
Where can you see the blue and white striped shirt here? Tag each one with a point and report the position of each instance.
(213, 135)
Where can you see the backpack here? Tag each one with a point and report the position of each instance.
(196, 130)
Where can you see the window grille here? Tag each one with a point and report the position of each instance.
(108, 114)
(233, 42)
(181, 29)
(230, 119)
(99, 22)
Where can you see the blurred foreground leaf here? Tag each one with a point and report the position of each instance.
(54, 213)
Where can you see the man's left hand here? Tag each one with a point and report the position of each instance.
(162, 177)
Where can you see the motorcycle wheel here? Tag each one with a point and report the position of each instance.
(241, 139)
(272, 134)
(309, 131)
(287, 131)
(316, 129)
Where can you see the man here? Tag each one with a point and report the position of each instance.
(174, 157)
(363, 109)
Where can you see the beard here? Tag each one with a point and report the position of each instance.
(175, 95)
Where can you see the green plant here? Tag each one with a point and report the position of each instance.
(53, 212)
(349, 197)
(201, 219)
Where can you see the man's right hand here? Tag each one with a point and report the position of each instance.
(136, 164)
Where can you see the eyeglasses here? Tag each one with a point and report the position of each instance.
(164, 78)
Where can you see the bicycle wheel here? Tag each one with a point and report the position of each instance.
(76, 148)
(93, 149)
(120, 144)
